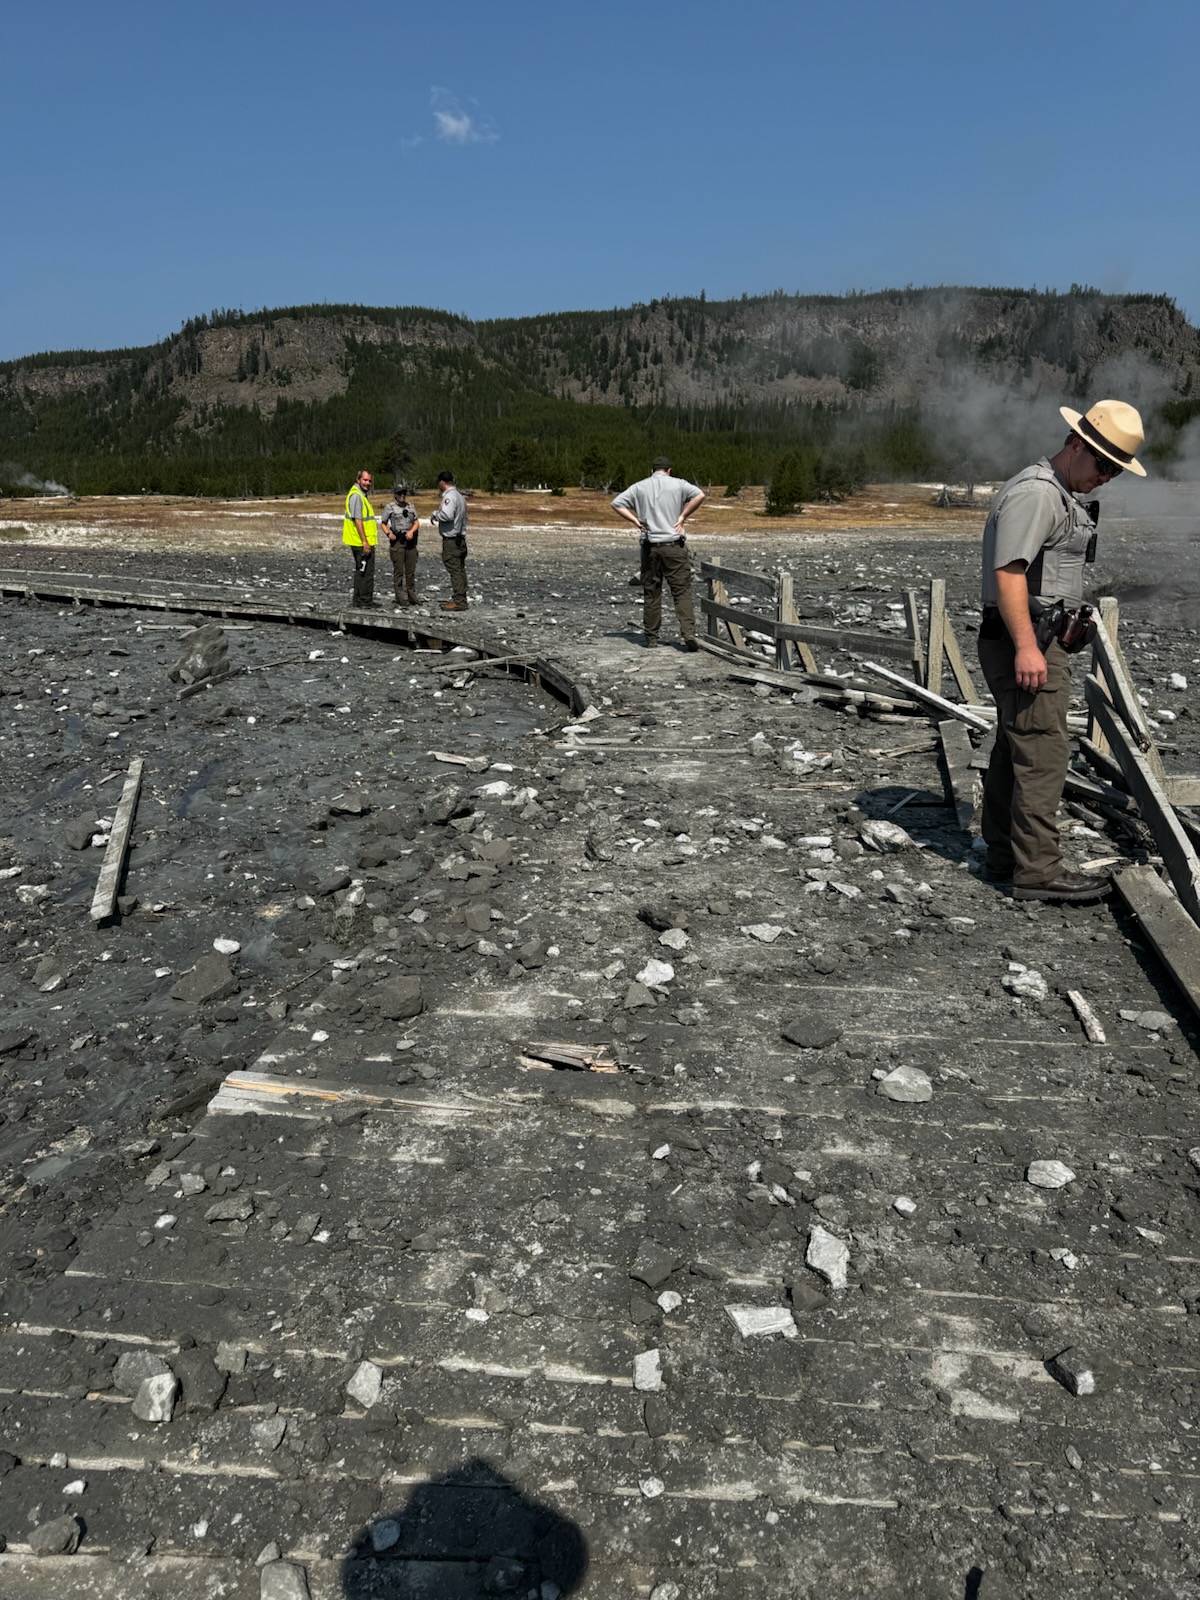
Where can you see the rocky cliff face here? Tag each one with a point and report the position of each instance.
(893, 348)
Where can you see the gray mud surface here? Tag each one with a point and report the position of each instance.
(408, 1280)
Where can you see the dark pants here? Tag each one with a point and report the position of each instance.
(667, 563)
(404, 572)
(364, 574)
(1028, 768)
(454, 559)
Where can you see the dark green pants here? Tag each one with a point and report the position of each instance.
(1028, 768)
(669, 564)
(364, 574)
(404, 572)
(454, 559)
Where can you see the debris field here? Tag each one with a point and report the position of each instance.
(638, 1155)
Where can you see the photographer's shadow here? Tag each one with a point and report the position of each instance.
(467, 1533)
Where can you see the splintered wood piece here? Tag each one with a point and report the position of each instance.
(472, 763)
(1087, 1017)
(1156, 809)
(104, 901)
(1174, 935)
(957, 753)
(937, 635)
(958, 665)
(912, 618)
(545, 1054)
(973, 719)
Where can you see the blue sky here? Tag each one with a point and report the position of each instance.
(538, 155)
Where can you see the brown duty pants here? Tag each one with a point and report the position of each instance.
(404, 572)
(669, 564)
(1028, 766)
(454, 559)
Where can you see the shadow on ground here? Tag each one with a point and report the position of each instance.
(468, 1533)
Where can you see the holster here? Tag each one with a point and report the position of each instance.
(1074, 627)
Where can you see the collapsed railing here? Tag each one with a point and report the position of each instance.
(1124, 780)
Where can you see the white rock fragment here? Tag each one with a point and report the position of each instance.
(908, 1085)
(647, 1371)
(764, 932)
(284, 1580)
(1151, 1021)
(752, 1320)
(156, 1397)
(75, 1487)
(226, 947)
(1027, 984)
(1194, 1157)
(828, 1255)
(674, 939)
(1049, 1174)
(886, 837)
(1065, 1258)
(366, 1385)
(670, 1300)
(664, 1150)
(904, 1205)
(651, 1488)
(656, 973)
(1177, 680)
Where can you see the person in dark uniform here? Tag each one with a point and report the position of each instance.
(1039, 535)
(401, 524)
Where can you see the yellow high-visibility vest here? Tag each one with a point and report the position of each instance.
(350, 528)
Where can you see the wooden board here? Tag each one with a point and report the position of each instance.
(912, 618)
(752, 582)
(1166, 924)
(937, 635)
(849, 639)
(973, 718)
(1121, 691)
(104, 901)
(1157, 812)
(958, 665)
(957, 752)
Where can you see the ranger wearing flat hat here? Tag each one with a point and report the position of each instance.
(1039, 536)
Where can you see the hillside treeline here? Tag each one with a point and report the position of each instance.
(812, 394)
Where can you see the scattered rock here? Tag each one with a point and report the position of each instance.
(284, 1580)
(886, 837)
(366, 1385)
(230, 1358)
(647, 1371)
(1074, 1370)
(752, 1320)
(764, 932)
(654, 1265)
(57, 1538)
(810, 1032)
(656, 973)
(156, 1397)
(908, 1085)
(636, 996)
(210, 980)
(1049, 1174)
(674, 939)
(1026, 984)
(77, 834)
(134, 1367)
(1151, 1021)
(402, 998)
(828, 1255)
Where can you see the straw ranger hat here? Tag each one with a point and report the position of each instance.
(1112, 428)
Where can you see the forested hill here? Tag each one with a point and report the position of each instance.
(910, 382)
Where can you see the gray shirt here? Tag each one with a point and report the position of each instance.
(401, 519)
(450, 518)
(1036, 519)
(656, 502)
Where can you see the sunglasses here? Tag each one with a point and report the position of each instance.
(1107, 468)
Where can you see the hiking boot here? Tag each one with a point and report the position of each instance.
(1068, 886)
(454, 605)
(650, 641)
(691, 645)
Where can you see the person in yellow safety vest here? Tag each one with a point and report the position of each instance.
(359, 532)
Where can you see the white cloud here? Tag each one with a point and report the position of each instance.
(456, 126)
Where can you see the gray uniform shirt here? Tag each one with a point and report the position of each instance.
(401, 519)
(656, 502)
(450, 518)
(1036, 519)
